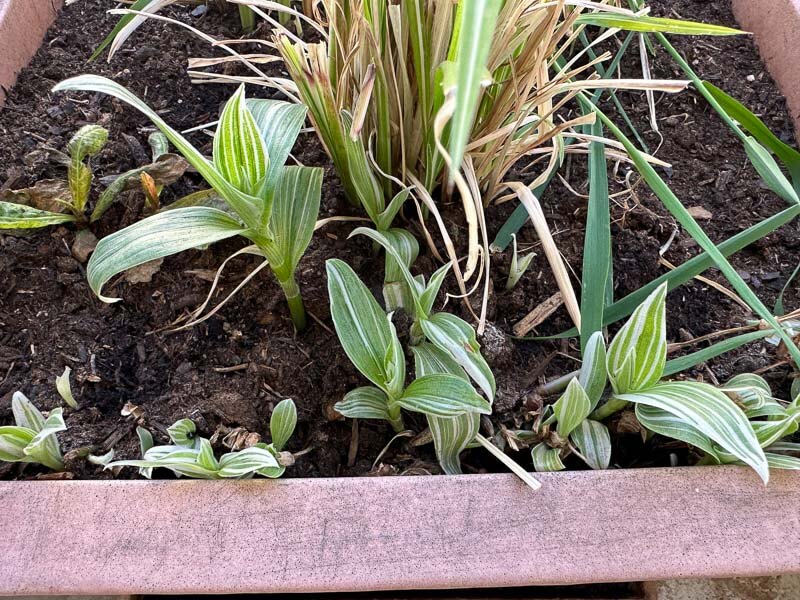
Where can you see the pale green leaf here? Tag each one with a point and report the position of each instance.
(25, 413)
(571, 408)
(183, 434)
(19, 216)
(65, 389)
(546, 458)
(457, 338)
(157, 236)
(664, 423)
(594, 443)
(443, 395)
(593, 375)
(642, 343)
(364, 403)
(781, 461)
(364, 330)
(282, 423)
(648, 24)
(279, 124)
(710, 412)
(246, 463)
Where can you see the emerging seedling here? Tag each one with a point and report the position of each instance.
(33, 438)
(273, 205)
(192, 456)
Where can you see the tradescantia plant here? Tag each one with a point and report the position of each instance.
(192, 456)
(273, 205)
(33, 438)
(739, 422)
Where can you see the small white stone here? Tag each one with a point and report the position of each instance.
(751, 78)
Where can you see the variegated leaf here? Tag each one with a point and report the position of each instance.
(428, 296)
(546, 458)
(363, 328)
(246, 206)
(571, 408)
(457, 338)
(25, 413)
(451, 436)
(593, 375)
(709, 411)
(365, 402)
(13, 441)
(282, 423)
(637, 356)
(239, 152)
(44, 447)
(64, 388)
(396, 293)
(183, 433)
(750, 390)
(293, 216)
(247, 462)
(155, 237)
(443, 395)
(19, 216)
(145, 443)
(279, 124)
(594, 443)
(781, 461)
(664, 423)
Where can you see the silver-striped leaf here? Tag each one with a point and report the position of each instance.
(546, 458)
(593, 441)
(157, 236)
(183, 433)
(457, 338)
(638, 353)
(443, 395)
(279, 123)
(664, 423)
(365, 402)
(364, 330)
(282, 423)
(593, 375)
(571, 408)
(712, 413)
(19, 216)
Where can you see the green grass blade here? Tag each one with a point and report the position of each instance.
(597, 242)
(648, 24)
(124, 20)
(683, 363)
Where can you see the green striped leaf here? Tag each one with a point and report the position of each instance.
(451, 436)
(181, 461)
(145, 443)
(247, 462)
(750, 390)
(239, 152)
(455, 337)
(428, 296)
(546, 458)
(781, 461)
(364, 403)
(571, 408)
(769, 432)
(396, 293)
(594, 443)
(443, 395)
(279, 123)
(364, 330)
(282, 423)
(13, 441)
(709, 411)
(638, 353)
(648, 24)
(162, 234)
(593, 375)
(19, 216)
(246, 206)
(472, 41)
(205, 455)
(294, 214)
(183, 434)
(664, 423)
(44, 447)
(25, 413)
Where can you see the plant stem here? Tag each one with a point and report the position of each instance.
(613, 405)
(247, 17)
(396, 418)
(295, 302)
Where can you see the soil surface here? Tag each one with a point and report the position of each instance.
(231, 370)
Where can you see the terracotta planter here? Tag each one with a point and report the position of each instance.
(319, 535)
(23, 24)
(776, 26)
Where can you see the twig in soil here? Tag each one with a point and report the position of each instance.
(231, 369)
(352, 453)
(538, 315)
(319, 322)
(406, 433)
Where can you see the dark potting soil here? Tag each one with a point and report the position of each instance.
(231, 370)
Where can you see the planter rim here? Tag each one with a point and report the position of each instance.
(369, 534)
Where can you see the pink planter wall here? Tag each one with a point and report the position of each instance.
(376, 533)
(776, 26)
(23, 24)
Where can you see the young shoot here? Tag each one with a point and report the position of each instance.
(518, 265)
(33, 438)
(192, 456)
(273, 205)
